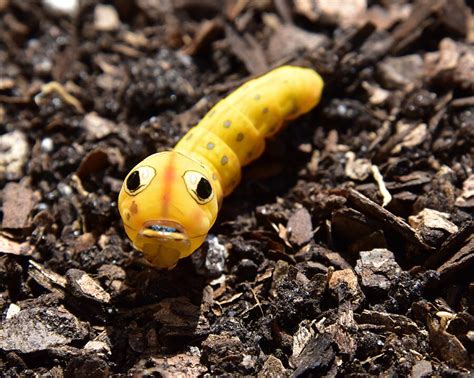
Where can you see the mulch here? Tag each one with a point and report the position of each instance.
(346, 250)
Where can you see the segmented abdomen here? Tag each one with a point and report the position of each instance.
(233, 132)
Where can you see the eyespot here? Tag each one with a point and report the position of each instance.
(198, 186)
(138, 180)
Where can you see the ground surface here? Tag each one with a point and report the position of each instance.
(305, 272)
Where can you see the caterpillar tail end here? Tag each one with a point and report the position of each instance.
(311, 89)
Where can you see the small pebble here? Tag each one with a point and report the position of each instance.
(66, 7)
(47, 145)
(106, 18)
(64, 189)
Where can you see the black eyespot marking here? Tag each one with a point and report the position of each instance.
(204, 189)
(138, 180)
(133, 181)
(198, 187)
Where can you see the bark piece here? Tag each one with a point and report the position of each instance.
(40, 328)
(447, 346)
(97, 127)
(273, 367)
(466, 199)
(83, 286)
(461, 261)
(206, 33)
(402, 72)
(186, 364)
(389, 220)
(377, 269)
(316, 357)
(179, 318)
(422, 369)
(18, 202)
(106, 18)
(248, 51)
(300, 227)
(433, 225)
(346, 287)
(395, 323)
(14, 151)
(289, 40)
(15, 248)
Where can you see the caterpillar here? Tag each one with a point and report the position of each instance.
(170, 200)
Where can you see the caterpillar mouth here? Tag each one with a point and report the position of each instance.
(163, 242)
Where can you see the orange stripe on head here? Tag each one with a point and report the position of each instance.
(169, 174)
(197, 216)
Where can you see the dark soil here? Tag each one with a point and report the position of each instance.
(347, 249)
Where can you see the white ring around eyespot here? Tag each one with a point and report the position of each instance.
(146, 174)
(191, 180)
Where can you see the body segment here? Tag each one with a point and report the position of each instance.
(170, 200)
(234, 130)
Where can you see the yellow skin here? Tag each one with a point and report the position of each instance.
(170, 200)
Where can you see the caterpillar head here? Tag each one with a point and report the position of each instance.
(168, 203)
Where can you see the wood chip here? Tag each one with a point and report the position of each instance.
(289, 41)
(18, 202)
(455, 15)
(422, 369)
(404, 72)
(300, 228)
(377, 269)
(461, 261)
(410, 30)
(273, 367)
(432, 219)
(46, 277)
(389, 220)
(412, 136)
(357, 169)
(451, 245)
(391, 322)
(341, 12)
(97, 127)
(14, 154)
(346, 287)
(14, 248)
(106, 18)
(248, 51)
(81, 285)
(466, 199)
(39, 328)
(447, 346)
(316, 357)
(208, 31)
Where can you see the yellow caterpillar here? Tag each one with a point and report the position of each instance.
(170, 200)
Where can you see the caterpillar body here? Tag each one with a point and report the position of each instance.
(170, 200)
